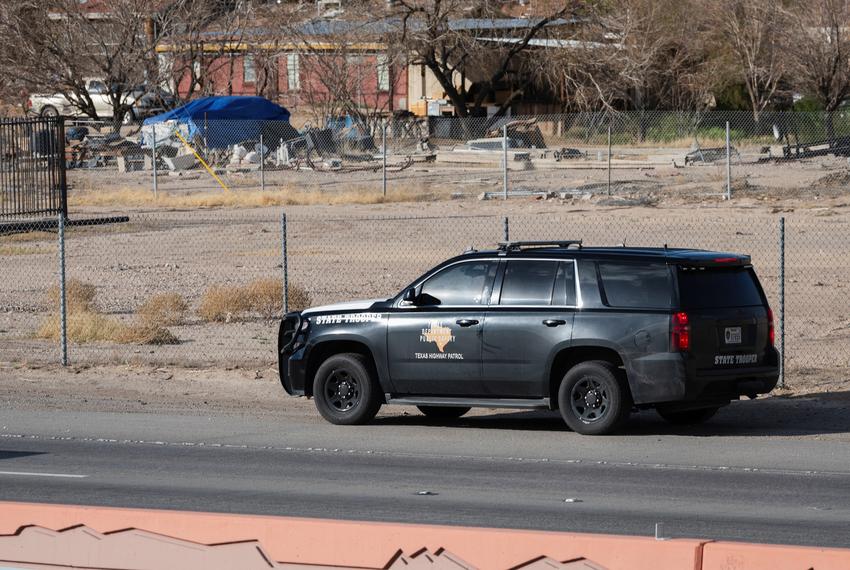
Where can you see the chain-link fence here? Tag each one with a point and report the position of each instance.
(206, 288)
(642, 156)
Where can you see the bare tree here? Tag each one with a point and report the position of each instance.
(754, 34)
(638, 55)
(58, 44)
(468, 54)
(198, 39)
(344, 66)
(821, 58)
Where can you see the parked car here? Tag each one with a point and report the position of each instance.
(145, 101)
(594, 332)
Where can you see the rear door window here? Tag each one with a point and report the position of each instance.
(636, 286)
(711, 287)
(529, 282)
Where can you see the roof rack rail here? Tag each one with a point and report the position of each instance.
(507, 246)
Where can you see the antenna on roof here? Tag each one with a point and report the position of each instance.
(624, 242)
(665, 246)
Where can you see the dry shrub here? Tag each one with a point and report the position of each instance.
(79, 295)
(221, 303)
(164, 310)
(83, 326)
(146, 333)
(263, 297)
(299, 298)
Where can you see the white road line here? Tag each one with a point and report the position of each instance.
(25, 474)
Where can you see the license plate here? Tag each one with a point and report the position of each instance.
(733, 335)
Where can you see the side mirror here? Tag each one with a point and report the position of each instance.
(409, 295)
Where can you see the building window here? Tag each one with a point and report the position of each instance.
(383, 72)
(249, 69)
(293, 72)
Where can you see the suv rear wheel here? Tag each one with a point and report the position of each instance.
(688, 417)
(345, 390)
(593, 398)
(443, 412)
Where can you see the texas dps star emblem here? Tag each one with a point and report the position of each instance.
(438, 334)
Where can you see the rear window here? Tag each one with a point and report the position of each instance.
(630, 285)
(708, 288)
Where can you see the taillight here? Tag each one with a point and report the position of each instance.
(29, 103)
(771, 331)
(680, 332)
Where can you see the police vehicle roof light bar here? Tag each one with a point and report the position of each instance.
(520, 245)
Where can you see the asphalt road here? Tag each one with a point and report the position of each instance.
(518, 470)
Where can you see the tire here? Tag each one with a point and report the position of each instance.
(443, 412)
(594, 398)
(128, 119)
(345, 390)
(49, 111)
(688, 417)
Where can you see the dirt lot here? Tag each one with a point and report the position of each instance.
(362, 251)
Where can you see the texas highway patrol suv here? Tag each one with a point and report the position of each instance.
(593, 332)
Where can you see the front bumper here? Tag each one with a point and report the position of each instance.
(291, 357)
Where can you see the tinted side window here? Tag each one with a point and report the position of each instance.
(529, 282)
(565, 285)
(640, 286)
(461, 284)
(701, 288)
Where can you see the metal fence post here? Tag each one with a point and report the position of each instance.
(63, 308)
(609, 159)
(507, 230)
(782, 302)
(505, 160)
(384, 153)
(262, 165)
(284, 263)
(728, 165)
(153, 160)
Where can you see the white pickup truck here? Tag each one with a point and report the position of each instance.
(144, 103)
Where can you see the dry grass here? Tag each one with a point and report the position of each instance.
(85, 324)
(21, 250)
(221, 303)
(79, 296)
(28, 236)
(145, 333)
(263, 297)
(240, 198)
(165, 310)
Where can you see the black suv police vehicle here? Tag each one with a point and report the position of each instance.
(594, 332)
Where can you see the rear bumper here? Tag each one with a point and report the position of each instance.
(672, 377)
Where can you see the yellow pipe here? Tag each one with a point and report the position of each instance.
(204, 162)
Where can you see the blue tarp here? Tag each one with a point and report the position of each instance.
(224, 121)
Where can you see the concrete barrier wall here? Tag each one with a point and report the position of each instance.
(376, 545)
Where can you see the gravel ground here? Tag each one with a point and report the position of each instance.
(347, 252)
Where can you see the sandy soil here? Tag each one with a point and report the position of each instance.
(347, 252)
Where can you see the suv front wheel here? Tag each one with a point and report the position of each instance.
(345, 390)
(593, 398)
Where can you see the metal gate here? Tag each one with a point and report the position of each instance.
(32, 168)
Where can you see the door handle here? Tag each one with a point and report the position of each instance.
(467, 322)
(554, 322)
